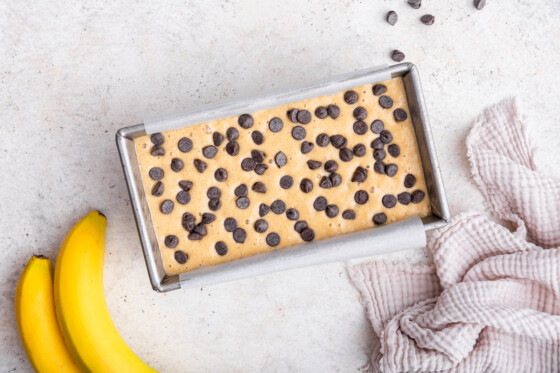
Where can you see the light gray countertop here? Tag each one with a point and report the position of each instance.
(72, 73)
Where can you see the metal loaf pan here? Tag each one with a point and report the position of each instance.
(162, 282)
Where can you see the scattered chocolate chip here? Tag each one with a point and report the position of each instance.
(479, 4)
(260, 226)
(379, 218)
(300, 226)
(346, 155)
(335, 179)
(379, 167)
(379, 154)
(185, 185)
(360, 175)
(338, 141)
(303, 116)
(306, 147)
(183, 197)
(332, 211)
(188, 221)
(275, 124)
(286, 182)
(350, 97)
(257, 137)
(349, 214)
(385, 137)
(360, 113)
(260, 168)
(360, 127)
(278, 207)
(171, 241)
(415, 3)
(242, 202)
(292, 114)
(272, 239)
(307, 234)
(241, 190)
(322, 140)
(259, 187)
(214, 192)
(157, 138)
(361, 197)
(331, 166)
(404, 198)
(377, 144)
(248, 164)
(391, 169)
(427, 19)
(232, 134)
(313, 165)
(359, 150)
(400, 115)
(379, 89)
(409, 181)
(298, 133)
(166, 206)
(394, 150)
(208, 218)
(397, 55)
(221, 174)
(157, 189)
(221, 248)
(263, 210)
(156, 173)
(185, 145)
(230, 224)
(321, 112)
(245, 121)
(417, 196)
(180, 257)
(200, 165)
(389, 201)
(385, 102)
(209, 151)
(325, 182)
(232, 148)
(157, 151)
(239, 235)
(333, 111)
(214, 204)
(280, 159)
(200, 229)
(258, 156)
(217, 138)
(194, 236)
(377, 126)
(392, 18)
(320, 203)
(306, 185)
(292, 214)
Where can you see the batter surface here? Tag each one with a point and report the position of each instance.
(309, 170)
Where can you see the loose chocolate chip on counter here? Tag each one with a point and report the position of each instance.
(359, 150)
(331, 166)
(300, 226)
(242, 202)
(180, 257)
(260, 226)
(221, 174)
(209, 151)
(275, 124)
(320, 203)
(322, 140)
(166, 206)
(176, 164)
(335, 179)
(321, 112)
(259, 187)
(156, 173)
(171, 241)
(278, 207)
(239, 235)
(361, 197)
(280, 159)
(260, 168)
(208, 218)
(409, 181)
(230, 224)
(272, 239)
(185, 145)
(245, 121)
(298, 133)
(183, 197)
(200, 165)
(394, 150)
(304, 116)
(241, 190)
(214, 192)
(360, 175)
(306, 185)
(217, 138)
(333, 111)
(257, 137)
(338, 141)
(397, 55)
(248, 164)
(313, 165)
(194, 236)
(157, 189)
(349, 214)
(263, 210)
(185, 185)
(379, 154)
(307, 234)
(415, 3)
(386, 137)
(232, 148)
(188, 221)
(157, 151)
(392, 18)
(417, 196)
(286, 182)
(377, 126)
(360, 113)
(360, 127)
(400, 115)
(221, 248)
(385, 102)
(345, 155)
(479, 4)
(379, 167)
(350, 97)
(404, 198)
(292, 115)
(214, 204)
(379, 218)
(306, 147)
(332, 211)
(325, 182)
(427, 19)
(157, 138)
(379, 89)
(377, 144)
(258, 156)
(389, 201)
(232, 134)
(391, 169)
(292, 214)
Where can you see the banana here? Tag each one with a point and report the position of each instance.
(36, 319)
(89, 332)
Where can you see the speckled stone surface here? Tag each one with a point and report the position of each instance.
(73, 73)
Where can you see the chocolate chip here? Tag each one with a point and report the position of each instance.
(194, 236)
(379, 154)
(157, 151)
(183, 197)
(325, 182)
(350, 97)
(221, 248)
(248, 164)
(200, 229)
(385, 102)
(313, 165)
(303, 116)
(346, 155)
(298, 133)
(217, 138)
(379, 218)
(415, 3)
(278, 207)
(242, 202)
(188, 221)
(360, 127)
(394, 150)
(333, 111)
(232, 148)
(263, 210)
(397, 55)
(280, 159)
(361, 197)
(275, 124)
(331, 166)
(379, 89)
(273, 239)
(292, 114)
(321, 112)
(257, 137)
(404, 198)
(379, 167)
(349, 214)
(400, 115)
(241, 190)
(385, 137)
(322, 140)
(260, 168)
(409, 181)
(320, 203)
(157, 138)
(166, 206)
(417, 196)
(392, 18)
(286, 182)
(306, 147)
(214, 204)
(427, 19)
(214, 192)
(208, 218)
(332, 211)
(232, 133)
(239, 235)
(292, 214)
(359, 150)
(260, 226)
(479, 4)
(200, 165)
(259, 187)
(245, 121)
(157, 189)
(391, 169)
(171, 241)
(180, 257)
(258, 156)
(338, 141)
(156, 173)
(185, 185)
(230, 224)
(389, 201)
(209, 151)
(221, 174)
(185, 145)
(360, 175)
(360, 113)
(377, 144)
(307, 234)
(300, 226)
(377, 126)
(335, 179)
(306, 185)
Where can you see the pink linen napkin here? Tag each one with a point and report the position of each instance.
(491, 300)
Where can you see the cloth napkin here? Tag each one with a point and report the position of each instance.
(491, 300)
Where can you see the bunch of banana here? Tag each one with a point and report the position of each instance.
(67, 327)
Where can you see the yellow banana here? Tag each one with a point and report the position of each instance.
(91, 336)
(36, 319)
